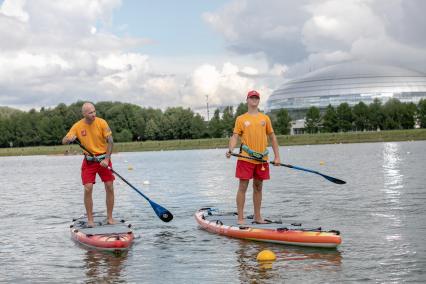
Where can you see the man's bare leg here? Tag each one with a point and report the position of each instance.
(88, 203)
(257, 201)
(241, 198)
(109, 190)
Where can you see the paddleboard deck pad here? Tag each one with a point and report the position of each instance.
(103, 236)
(214, 221)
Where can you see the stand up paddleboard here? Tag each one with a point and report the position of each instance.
(226, 224)
(115, 238)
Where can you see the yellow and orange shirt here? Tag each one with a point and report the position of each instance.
(92, 136)
(253, 131)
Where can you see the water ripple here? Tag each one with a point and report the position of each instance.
(380, 213)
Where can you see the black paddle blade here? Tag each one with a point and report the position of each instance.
(166, 216)
(161, 212)
(335, 180)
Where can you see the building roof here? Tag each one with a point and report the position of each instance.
(353, 80)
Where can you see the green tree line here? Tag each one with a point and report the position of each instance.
(128, 122)
(361, 117)
(131, 122)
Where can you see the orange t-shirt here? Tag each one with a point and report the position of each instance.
(253, 131)
(92, 136)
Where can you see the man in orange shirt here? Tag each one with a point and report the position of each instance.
(253, 128)
(95, 134)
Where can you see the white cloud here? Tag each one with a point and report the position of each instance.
(59, 55)
(305, 35)
(14, 9)
(337, 24)
(271, 28)
(64, 51)
(227, 84)
(162, 86)
(206, 79)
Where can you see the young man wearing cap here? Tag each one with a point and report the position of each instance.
(253, 128)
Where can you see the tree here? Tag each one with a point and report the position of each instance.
(198, 127)
(5, 133)
(376, 116)
(123, 136)
(282, 122)
(391, 114)
(344, 117)
(139, 124)
(6, 112)
(360, 116)
(157, 116)
(177, 123)
(241, 109)
(116, 117)
(23, 129)
(102, 108)
(330, 120)
(408, 119)
(50, 130)
(215, 125)
(421, 113)
(228, 120)
(151, 130)
(313, 120)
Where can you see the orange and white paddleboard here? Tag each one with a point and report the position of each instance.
(115, 238)
(226, 224)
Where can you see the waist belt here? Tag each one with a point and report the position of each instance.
(252, 153)
(96, 158)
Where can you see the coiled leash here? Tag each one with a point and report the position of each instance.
(254, 154)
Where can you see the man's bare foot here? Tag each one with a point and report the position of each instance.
(240, 222)
(261, 221)
(90, 224)
(111, 222)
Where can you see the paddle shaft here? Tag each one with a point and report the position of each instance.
(332, 179)
(112, 170)
(161, 212)
(129, 184)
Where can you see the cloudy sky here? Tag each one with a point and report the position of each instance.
(175, 53)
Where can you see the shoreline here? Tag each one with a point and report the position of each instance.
(212, 143)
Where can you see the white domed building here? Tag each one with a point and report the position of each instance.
(350, 82)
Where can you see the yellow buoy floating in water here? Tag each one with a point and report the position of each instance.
(266, 258)
(322, 163)
(266, 255)
(130, 168)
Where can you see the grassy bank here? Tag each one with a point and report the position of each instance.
(286, 140)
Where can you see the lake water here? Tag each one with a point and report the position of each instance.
(380, 212)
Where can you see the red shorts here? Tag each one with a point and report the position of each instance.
(247, 170)
(90, 169)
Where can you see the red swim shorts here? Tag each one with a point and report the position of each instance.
(90, 169)
(247, 170)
